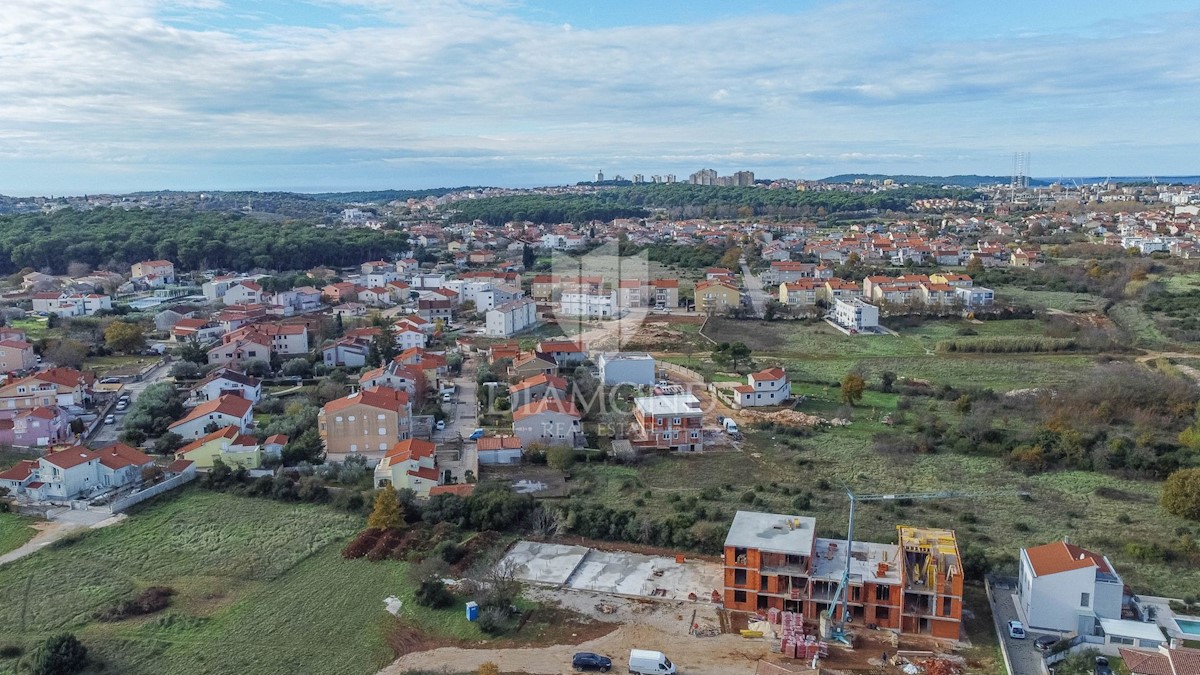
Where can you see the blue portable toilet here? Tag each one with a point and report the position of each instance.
(472, 611)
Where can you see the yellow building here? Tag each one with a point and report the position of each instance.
(716, 296)
(230, 445)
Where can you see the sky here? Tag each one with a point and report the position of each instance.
(322, 95)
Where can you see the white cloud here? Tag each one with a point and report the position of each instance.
(461, 81)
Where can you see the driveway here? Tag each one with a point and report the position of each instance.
(754, 289)
(108, 432)
(1023, 657)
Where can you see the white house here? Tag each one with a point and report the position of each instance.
(70, 304)
(224, 381)
(626, 368)
(243, 293)
(510, 318)
(76, 472)
(974, 296)
(497, 295)
(548, 421)
(219, 413)
(408, 337)
(766, 387)
(855, 314)
(1066, 588)
(600, 305)
(350, 352)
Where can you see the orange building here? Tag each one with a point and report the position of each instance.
(775, 561)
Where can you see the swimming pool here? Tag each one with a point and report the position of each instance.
(1188, 627)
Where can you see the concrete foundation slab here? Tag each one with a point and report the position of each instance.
(544, 563)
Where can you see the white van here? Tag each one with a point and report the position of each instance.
(646, 662)
(730, 426)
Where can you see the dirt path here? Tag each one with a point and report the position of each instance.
(50, 531)
(721, 655)
(1186, 370)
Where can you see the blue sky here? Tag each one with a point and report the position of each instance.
(122, 95)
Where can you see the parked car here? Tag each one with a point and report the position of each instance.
(647, 662)
(590, 661)
(1045, 642)
(1016, 631)
(476, 435)
(446, 398)
(441, 425)
(111, 419)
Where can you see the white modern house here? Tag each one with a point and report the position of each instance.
(855, 314)
(510, 318)
(618, 368)
(600, 305)
(1066, 588)
(972, 297)
(766, 387)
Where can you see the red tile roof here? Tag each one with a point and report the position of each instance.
(234, 406)
(499, 443)
(1060, 556)
(425, 473)
(277, 439)
(119, 456)
(73, 456)
(230, 432)
(179, 465)
(24, 469)
(413, 448)
(551, 405)
(538, 380)
(769, 374)
(1178, 661)
(375, 397)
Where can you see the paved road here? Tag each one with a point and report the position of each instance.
(462, 419)
(754, 289)
(1024, 658)
(109, 432)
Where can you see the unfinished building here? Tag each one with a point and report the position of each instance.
(775, 561)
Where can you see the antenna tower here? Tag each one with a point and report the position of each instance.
(1020, 174)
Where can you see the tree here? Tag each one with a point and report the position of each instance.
(299, 367)
(59, 655)
(257, 368)
(560, 457)
(527, 257)
(387, 513)
(193, 351)
(186, 370)
(168, 443)
(69, 353)
(1181, 494)
(432, 592)
(853, 386)
(120, 336)
(886, 379)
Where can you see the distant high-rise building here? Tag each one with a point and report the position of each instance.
(703, 177)
(639, 178)
(743, 178)
(618, 178)
(671, 178)
(600, 176)
(656, 179)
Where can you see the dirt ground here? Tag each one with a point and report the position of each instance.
(644, 624)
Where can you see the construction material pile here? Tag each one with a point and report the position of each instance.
(787, 418)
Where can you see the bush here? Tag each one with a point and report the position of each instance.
(59, 655)
(488, 668)
(11, 651)
(494, 620)
(153, 599)
(433, 593)
(1181, 494)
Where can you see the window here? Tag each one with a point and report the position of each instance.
(658, 421)
(883, 593)
(947, 605)
(382, 431)
(337, 419)
(739, 577)
(352, 418)
(676, 421)
(1118, 640)
(739, 596)
(1084, 599)
(379, 417)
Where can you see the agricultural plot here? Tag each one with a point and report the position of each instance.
(260, 588)
(1060, 300)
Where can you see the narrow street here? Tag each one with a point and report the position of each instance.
(754, 289)
(462, 419)
(109, 432)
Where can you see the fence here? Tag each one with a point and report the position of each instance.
(152, 491)
(681, 371)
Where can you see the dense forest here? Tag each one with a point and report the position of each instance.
(194, 241)
(682, 200)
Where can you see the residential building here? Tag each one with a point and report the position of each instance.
(227, 381)
(16, 355)
(36, 427)
(548, 421)
(803, 293)
(237, 352)
(664, 293)
(537, 388)
(243, 293)
(163, 269)
(76, 472)
(203, 331)
(398, 376)
(580, 303)
(407, 337)
(409, 464)
(617, 368)
(669, 422)
(366, 423)
(974, 297)
(1063, 587)
(716, 296)
(215, 414)
(840, 288)
(766, 387)
(499, 449)
(776, 561)
(71, 387)
(433, 310)
(229, 444)
(284, 339)
(350, 351)
(533, 364)
(341, 292)
(856, 315)
(566, 353)
(510, 318)
(1161, 661)
(70, 304)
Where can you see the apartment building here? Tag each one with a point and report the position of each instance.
(776, 561)
(670, 422)
(367, 423)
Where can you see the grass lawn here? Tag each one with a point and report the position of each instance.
(14, 531)
(34, 327)
(261, 587)
(104, 364)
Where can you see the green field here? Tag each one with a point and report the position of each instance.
(260, 588)
(35, 328)
(14, 531)
(1061, 300)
